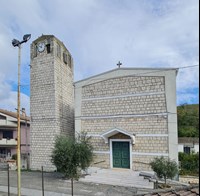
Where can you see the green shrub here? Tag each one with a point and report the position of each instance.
(14, 156)
(189, 163)
(70, 155)
(164, 168)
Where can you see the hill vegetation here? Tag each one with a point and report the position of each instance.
(188, 120)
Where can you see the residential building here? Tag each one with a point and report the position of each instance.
(188, 144)
(8, 136)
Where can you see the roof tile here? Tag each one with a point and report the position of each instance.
(184, 191)
(14, 114)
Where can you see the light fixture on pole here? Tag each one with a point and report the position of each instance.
(17, 43)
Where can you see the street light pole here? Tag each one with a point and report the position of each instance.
(18, 127)
(17, 43)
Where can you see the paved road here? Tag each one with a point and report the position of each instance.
(55, 185)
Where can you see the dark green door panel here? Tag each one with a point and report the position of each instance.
(121, 155)
(116, 154)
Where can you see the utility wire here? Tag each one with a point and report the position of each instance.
(139, 74)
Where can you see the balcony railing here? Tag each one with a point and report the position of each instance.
(9, 142)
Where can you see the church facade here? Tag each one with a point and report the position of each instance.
(129, 113)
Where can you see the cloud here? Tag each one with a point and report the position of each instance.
(188, 79)
(9, 100)
(187, 98)
(146, 33)
(4, 88)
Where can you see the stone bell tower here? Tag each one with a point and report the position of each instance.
(52, 98)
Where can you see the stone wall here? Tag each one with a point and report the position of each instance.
(52, 99)
(123, 86)
(143, 104)
(135, 104)
(99, 144)
(152, 144)
(135, 125)
(101, 161)
(141, 162)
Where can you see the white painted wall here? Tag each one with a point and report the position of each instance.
(180, 148)
(195, 149)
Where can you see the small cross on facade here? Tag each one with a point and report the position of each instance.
(119, 64)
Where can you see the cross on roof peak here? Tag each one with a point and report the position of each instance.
(119, 64)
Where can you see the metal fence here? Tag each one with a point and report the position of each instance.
(47, 183)
(2, 155)
(5, 167)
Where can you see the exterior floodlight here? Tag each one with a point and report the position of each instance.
(15, 42)
(26, 37)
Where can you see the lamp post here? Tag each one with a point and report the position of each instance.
(17, 43)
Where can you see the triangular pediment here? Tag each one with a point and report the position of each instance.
(106, 135)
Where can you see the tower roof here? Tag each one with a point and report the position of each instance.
(42, 37)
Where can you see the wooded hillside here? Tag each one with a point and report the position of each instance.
(188, 120)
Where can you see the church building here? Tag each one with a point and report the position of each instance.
(129, 113)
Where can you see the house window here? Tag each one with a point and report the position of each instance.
(2, 117)
(2, 153)
(187, 150)
(8, 134)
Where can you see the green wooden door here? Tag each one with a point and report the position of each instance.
(121, 155)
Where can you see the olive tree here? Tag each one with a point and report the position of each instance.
(70, 155)
(164, 168)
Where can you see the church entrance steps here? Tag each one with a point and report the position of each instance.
(118, 177)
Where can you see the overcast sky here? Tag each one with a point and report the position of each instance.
(99, 33)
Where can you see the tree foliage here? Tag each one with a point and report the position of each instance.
(70, 155)
(164, 168)
(189, 163)
(188, 120)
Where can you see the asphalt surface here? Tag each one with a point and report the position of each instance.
(55, 184)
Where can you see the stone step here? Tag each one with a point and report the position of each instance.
(120, 183)
(118, 177)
